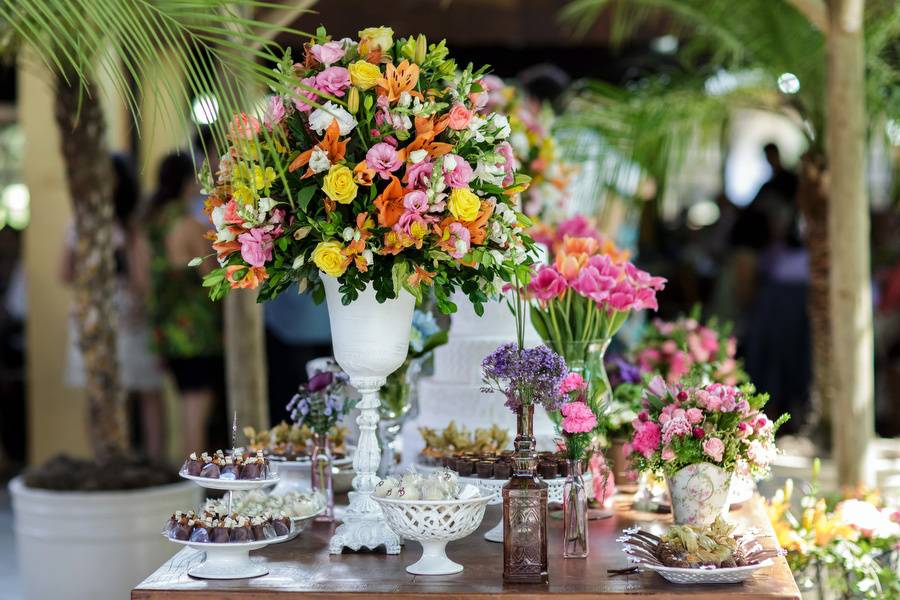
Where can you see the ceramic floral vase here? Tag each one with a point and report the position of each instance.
(699, 493)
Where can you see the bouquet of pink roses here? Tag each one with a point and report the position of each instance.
(720, 424)
(675, 348)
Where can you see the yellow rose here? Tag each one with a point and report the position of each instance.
(464, 205)
(364, 74)
(329, 258)
(371, 38)
(339, 185)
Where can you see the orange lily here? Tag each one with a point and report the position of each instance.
(421, 275)
(395, 242)
(224, 249)
(363, 224)
(331, 144)
(477, 227)
(399, 79)
(426, 130)
(390, 203)
(249, 280)
(362, 174)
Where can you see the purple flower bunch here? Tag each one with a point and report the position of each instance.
(525, 376)
(321, 402)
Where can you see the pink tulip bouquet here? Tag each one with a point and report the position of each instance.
(682, 425)
(675, 348)
(581, 300)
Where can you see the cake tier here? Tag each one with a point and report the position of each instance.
(441, 402)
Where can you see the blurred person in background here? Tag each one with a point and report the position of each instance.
(138, 367)
(187, 324)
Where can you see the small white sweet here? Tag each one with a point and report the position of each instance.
(408, 493)
(433, 489)
(384, 487)
(411, 479)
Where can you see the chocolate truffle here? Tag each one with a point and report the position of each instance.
(192, 466)
(210, 470)
(502, 470)
(485, 469)
(465, 467)
(547, 469)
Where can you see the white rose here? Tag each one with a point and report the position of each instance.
(298, 262)
(321, 118)
(318, 161)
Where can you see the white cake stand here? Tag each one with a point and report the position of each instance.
(229, 560)
(231, 485)
(494, 489)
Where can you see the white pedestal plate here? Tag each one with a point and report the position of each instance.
(370, 340)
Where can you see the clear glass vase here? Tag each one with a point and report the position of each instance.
(587, 358)
(321, 474)
(575, 521)
(399, 404)
(525, 510)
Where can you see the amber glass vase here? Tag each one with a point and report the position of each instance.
(525, 510)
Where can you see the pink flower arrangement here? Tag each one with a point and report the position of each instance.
(577, 418)
(675, 348)
(722, 424)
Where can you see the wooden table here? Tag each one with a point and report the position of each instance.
(303, 569)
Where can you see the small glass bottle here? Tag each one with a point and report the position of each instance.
(525, 510)
(321, 474)
(575, 522)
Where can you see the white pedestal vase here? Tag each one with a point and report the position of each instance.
(699, 493)
(370, 342)
(93, 545)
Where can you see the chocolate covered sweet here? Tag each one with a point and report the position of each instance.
(485, 469)
(230, 470)
(210, 470)
(241, 531)
(465, 467)
(502, 470)
(200, 534)
(547, 469)
(282, 525)
(254, 467)
(193, 465)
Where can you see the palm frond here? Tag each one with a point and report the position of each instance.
(223, 51)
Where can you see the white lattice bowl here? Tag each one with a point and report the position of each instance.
(433, 524)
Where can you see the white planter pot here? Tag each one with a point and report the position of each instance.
(370, 342)
(699, 493)
(93, 545)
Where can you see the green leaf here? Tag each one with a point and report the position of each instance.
(399, 275)
(304, 196)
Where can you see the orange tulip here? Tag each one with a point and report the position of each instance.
(580, 245)
(569, 265)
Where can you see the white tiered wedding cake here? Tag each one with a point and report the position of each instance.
(453, 393)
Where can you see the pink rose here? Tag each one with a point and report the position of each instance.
(327, 53)
(577, 418)
(571, 383)
(459, 117)
(461, 173)
(333, 80)
(243, 127)
(256, 247)
(416, 201)
(506, 151)
(418, 174)
(382, 158)
(714, 448)
(548, 284)
(305, 94)
(694, 415)
(275, 112)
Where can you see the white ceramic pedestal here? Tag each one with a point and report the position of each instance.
(229, 560)
(370, 340)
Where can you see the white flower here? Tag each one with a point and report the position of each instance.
(475, 124)
(405, 99)
(318, 160)
(321, 118)
(225, 235)
(367, 254)
(519, 142)
(417, 156)
(497, 256)
(490, 173)
(263, 207)
(218, 217)
(501, 123)
(347, 234)
(298, 262)
(449, 163)
(506, 214)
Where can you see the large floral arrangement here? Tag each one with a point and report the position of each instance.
(535, 149)
(687, 424)
(675, 348)
(849, 546)
(376, 169)
(583, 298)
(553, 235)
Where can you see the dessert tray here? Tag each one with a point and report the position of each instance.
(231, 485)
(651, 553)
(493, 488)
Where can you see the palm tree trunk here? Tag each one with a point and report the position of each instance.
(245, 360)
(812, 198)
(89, 175)
(852, 367)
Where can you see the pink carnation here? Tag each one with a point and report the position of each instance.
(677, 426)
(577, 418)
(333, 80)
(548, 284)
(382, 158)
(256, 247)
(571, 383)
(328, 53)
(714, 448)
(694, 415)
(647, 436)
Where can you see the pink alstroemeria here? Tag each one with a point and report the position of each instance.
(302, 94)
(460, 238)
(275, 112)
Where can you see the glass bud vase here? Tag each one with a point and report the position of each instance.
(575, 521)
(525, 510)
(587, 358)
(321, 471)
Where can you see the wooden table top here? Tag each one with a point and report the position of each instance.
(303, 569)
